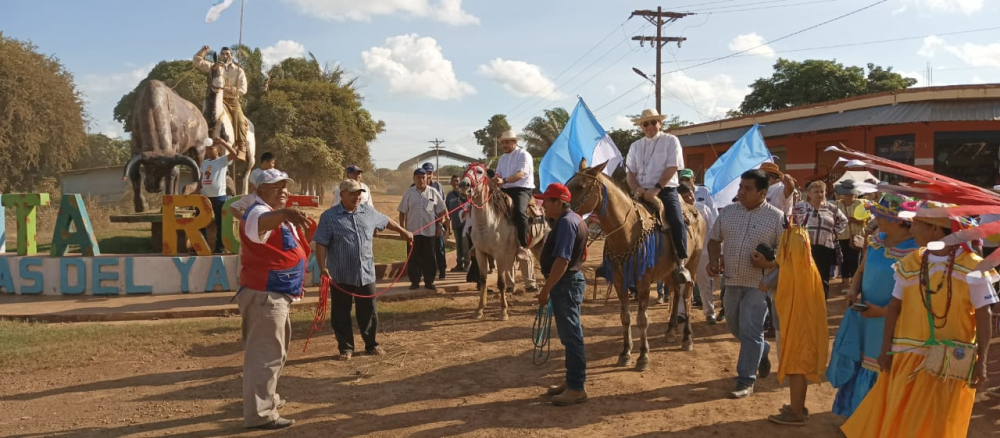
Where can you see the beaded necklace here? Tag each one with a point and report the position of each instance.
(925, 285)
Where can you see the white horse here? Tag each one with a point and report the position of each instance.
(220, 122)
(494, 234)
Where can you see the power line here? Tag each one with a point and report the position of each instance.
(783, 37)
(726, 9)
(862, 43)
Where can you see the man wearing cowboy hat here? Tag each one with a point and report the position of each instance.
(782, 187)
(652, 165)
(515, 174)
(236, 86)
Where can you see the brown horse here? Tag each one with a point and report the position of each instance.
(639, 252)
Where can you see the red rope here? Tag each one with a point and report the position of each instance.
(320, 319)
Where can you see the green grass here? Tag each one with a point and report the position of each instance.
(111, 241)
(36, 346)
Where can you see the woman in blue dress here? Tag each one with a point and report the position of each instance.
(853, 365)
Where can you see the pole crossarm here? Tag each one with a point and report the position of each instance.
(658, 18)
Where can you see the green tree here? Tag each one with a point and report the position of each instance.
(490, 134)
(796, 83)
(543, 130)
(314, 161)
(42, 121)
(102, 151)
(180, 75)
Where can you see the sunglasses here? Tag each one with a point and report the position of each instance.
(649, 123)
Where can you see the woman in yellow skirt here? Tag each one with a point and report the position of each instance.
(801, 313)
(939, 287)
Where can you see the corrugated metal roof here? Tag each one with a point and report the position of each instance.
(958, 111)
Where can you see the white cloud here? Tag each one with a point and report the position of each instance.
(976, 55)
(282, 50)
(415, 66)
(753, 42)
(920, 77)
(711, 98)
(520, 78)
(446, 11)
(967, 7)
(96, 87)
(977, 80)
(622, 122)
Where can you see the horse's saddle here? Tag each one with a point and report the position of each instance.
(536, 215)
(689, 212)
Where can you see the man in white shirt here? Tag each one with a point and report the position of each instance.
(419, 208)
(213, 183)
(652, 164)
(782, 187)
(515, 175)
(354, 172)
(267, 161)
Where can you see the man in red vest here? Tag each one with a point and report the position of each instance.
(273, 250)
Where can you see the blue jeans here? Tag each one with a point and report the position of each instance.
(659, 289)
(746, 309)
(566, 297)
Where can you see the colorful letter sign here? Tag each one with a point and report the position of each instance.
(191, 226)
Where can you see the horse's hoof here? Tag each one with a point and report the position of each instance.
(671, 337)
(687, 346)
(642, 364)
(479, 314)
(503, 316)
(624, 361)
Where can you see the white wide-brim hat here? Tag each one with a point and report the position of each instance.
(649, 114)
(509, 135)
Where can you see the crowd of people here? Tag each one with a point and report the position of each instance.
(907, 359)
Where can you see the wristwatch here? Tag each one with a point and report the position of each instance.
(658, 186)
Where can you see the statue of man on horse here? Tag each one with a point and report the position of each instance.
(235, 85)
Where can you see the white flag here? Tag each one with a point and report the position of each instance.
(216, 10)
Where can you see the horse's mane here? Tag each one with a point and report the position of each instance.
(500, 204)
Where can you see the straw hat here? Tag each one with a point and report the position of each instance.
(650, 114)
(509, 135)
(769, 167)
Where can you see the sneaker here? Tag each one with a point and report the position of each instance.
(442, 276)
(570, 397)
(456, 269)
(788, 418)
(742, 390)
(661, 300)
(710, 320)
(721, 316)
(280, 423)
(415, 286)
(805, 410)
(764, 369)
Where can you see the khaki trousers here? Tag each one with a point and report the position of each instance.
(266, 334)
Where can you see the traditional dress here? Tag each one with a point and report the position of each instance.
(801, 308)
(908, 401)
(860, 367)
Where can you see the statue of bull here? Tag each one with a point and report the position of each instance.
(167, 131)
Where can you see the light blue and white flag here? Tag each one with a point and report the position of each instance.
(216, 10)
(723, 178)
(582, 138)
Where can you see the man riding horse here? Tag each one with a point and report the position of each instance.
(235, 86)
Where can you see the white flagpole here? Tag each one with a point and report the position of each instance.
(239, 45)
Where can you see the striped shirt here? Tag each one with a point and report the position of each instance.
(348, 237)
(823, 224)
(742, 231)
(421, 208)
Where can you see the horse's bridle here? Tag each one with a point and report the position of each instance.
(475, 180)
(603, 204)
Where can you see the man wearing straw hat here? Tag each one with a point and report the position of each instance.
(652, 164)
(515, 174)
(781, 189)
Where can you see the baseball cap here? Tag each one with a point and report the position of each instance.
(354, 169)
(351, 185)
(428, 167)
(686, 173)
(555, 191)
(419, 171)
(271, 176)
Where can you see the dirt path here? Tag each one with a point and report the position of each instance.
(444, 375)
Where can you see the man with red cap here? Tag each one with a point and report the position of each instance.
(562, 266)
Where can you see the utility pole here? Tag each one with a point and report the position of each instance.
(437, 153)
(658, 18)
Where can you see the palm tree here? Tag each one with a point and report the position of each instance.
(542, 131)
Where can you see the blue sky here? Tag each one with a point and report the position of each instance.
(440, 68)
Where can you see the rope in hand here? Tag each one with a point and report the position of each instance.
(541, 334)
(327, 282)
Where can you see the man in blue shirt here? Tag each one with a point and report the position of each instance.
(346, 230)
(562, 266)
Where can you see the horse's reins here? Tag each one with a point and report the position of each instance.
(587, 196)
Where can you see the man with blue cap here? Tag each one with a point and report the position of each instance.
(442, 264)
(354, 172)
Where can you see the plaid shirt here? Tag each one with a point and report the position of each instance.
(348, 237)
(824, 224)
(742, 231)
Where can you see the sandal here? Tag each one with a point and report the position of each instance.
(788, 418)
